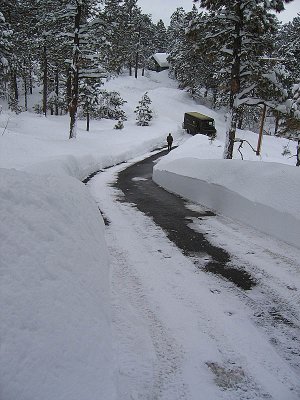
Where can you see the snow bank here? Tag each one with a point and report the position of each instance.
(262, 195)
(55, 326)
(55, 317)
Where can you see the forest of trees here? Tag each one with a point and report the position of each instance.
(235, 55)
(67, 47)
(238, 56)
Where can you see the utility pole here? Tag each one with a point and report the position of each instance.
(261, 129)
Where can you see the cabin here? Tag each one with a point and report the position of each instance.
(195, 123)
(158, 62)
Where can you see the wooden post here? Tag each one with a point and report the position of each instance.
(261, 129)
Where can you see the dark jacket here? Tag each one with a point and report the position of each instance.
(170, 138)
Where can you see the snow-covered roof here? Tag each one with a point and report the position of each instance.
(161, 59)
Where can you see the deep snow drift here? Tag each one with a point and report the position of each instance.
(55, 298)
(260, 194)
(55, 318)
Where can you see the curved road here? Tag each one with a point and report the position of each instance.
(179, 330)
(172, 214)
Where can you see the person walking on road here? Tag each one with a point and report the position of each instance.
(169, 141)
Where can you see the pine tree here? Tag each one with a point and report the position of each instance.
(89, 92)
(110, 105)
(176, 28)
(130, 28)
(119, 125)
(10, 10)
(241, 24)
(287, 52)
(160, 37)
(26, 45)
(84, 61)
(296, 100)
(288, 49)
(5, 54)
(143, 111)
(112, 46)
(55, 48)
(191, 64)
(143, 42)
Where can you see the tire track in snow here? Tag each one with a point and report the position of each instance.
(275, 301)
(165, 355)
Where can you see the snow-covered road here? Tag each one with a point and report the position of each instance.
(182, 333)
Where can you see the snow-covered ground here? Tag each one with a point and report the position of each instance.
(180, 333)
(158, 331)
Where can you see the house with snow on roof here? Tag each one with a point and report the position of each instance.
(158, 62)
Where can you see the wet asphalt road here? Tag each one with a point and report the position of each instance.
(170, 213)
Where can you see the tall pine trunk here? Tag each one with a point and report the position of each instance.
(75, 74)
(68, 88)
(25, 93)
(15, 86)
(30, 81)
(30, 76)
(234, 85)
(277, 119)
(88, 121)
(136, 64)
(137, 54)
(56, 90)
(232, 119)
(45, 80)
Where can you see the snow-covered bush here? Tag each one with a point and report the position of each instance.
(143, 111)
(286, 150)
(110, 104)
(119, 125)
(38, 109)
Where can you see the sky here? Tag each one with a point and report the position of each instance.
(164, 9)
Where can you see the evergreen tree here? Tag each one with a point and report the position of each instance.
(192, 65)
(10, 11)
(131, 31)
(112, 46)
(176, 36)
(296, 100)
(287, 52)
(84, 60)
(160, 38)
(110, 106)
(119, 125)
(176, 28)
(206, 61)
(143, 111)
(89, 92)
(143, 42)
(5, 54)
(241, 24)
(55, 51)
(288, 49)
